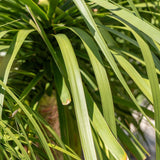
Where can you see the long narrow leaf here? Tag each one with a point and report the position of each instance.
(101, 76)
(131, 145)
(78, 96)
(61, 87)
(103, 130)
(143, 86)
(151, 71)
(9, 59)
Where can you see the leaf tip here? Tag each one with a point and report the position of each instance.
(125, 157)
(68, 101)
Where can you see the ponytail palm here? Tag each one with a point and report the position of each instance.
(98, 56)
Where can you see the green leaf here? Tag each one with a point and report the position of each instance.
(149, 30)
(140, 82)
(126, 104)
(25, 136)
(24, 154)
(89, 79)
(3, 47)
(137, 58)
(130, 145)
(32, 120)
(101, 127)
(34, 81)
(9, 59)
(133, 137)
(78, 96)
(134, 8)
(3, 33)
(103, 46)
(37, 10)
(151, 71)
(64, 151)
(61, 87)
(51, 8)
(101, 76)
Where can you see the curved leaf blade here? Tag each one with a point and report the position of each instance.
(78, 96)
(10, 57)
(101, 127)
(101, 76)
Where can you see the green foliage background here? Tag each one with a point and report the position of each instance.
(95, 57)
